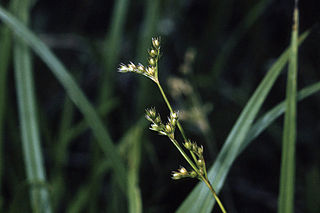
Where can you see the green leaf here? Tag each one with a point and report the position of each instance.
(264, 121)
(134, 156)
(111, 48)
(73, 91)
(200, 199)
(28, 119)
(287, 173)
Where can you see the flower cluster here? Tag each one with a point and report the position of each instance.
(197, 153)
(151, 70)
(168, 129)
(157, 125)
(183, 173)
(154, 52)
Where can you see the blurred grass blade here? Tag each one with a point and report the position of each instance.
(287, 175)
(134, 155)
(264, 121)
(28, 118)
(82, 197)
(130, 138)
(111, 48)
(200, 199)
(151, 20)
(73, 91)
(222, 59)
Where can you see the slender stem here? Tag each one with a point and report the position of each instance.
(175, 142)
(214, 194)
(195, 168)
(170, 108)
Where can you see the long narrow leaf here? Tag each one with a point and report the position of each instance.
(73, 91)
(111, 47)
(28, 119)
(287, 175)
(264, 121)
(134, 195)
(200, 199)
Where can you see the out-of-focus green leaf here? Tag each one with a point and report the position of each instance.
(264, 121)
(287, 172)
(73, 91)
(34, 163)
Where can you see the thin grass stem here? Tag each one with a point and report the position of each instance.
(195, 168)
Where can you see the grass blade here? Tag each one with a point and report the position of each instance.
(287, 175)
(111, 47)
(134, 195)
(222, 59)
(28, 119)
(200, 199)
(264, 121)
(73, 91)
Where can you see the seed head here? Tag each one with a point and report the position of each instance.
(156, 43)
(151, 114)
(188, 144)
(169, 129)
(183, 173)
(151, 70)
(152, 61)
(141, 68)
(200, 150)
(153, 53)
(173, 119)
(200, 162)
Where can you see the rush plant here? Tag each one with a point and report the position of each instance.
(195, 152)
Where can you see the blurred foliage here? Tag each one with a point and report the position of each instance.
(214, 55)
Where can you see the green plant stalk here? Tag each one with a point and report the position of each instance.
(178, 123)
(203, 178)
(287, 175)
(28, 119)
(175, 142)
(111, 50)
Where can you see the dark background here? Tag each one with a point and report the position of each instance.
(232, 48)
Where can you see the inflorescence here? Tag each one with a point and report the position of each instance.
(196, 161)
(150, 71)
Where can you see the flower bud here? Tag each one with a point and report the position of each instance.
(152, 62)
(193, 174)
(200, 162)
(168, 129)
(187, 144)
(153, 53)
(156, 43)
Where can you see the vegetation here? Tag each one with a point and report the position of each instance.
(77, 140)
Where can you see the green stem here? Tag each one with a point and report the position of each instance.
(194, 167)
(175, 142)
(214, 194)
(170, 108)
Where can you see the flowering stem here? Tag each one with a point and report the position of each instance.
(170, 108)
(195, 168)
(214, 194)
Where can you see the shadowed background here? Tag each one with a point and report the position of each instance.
(214, 55)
